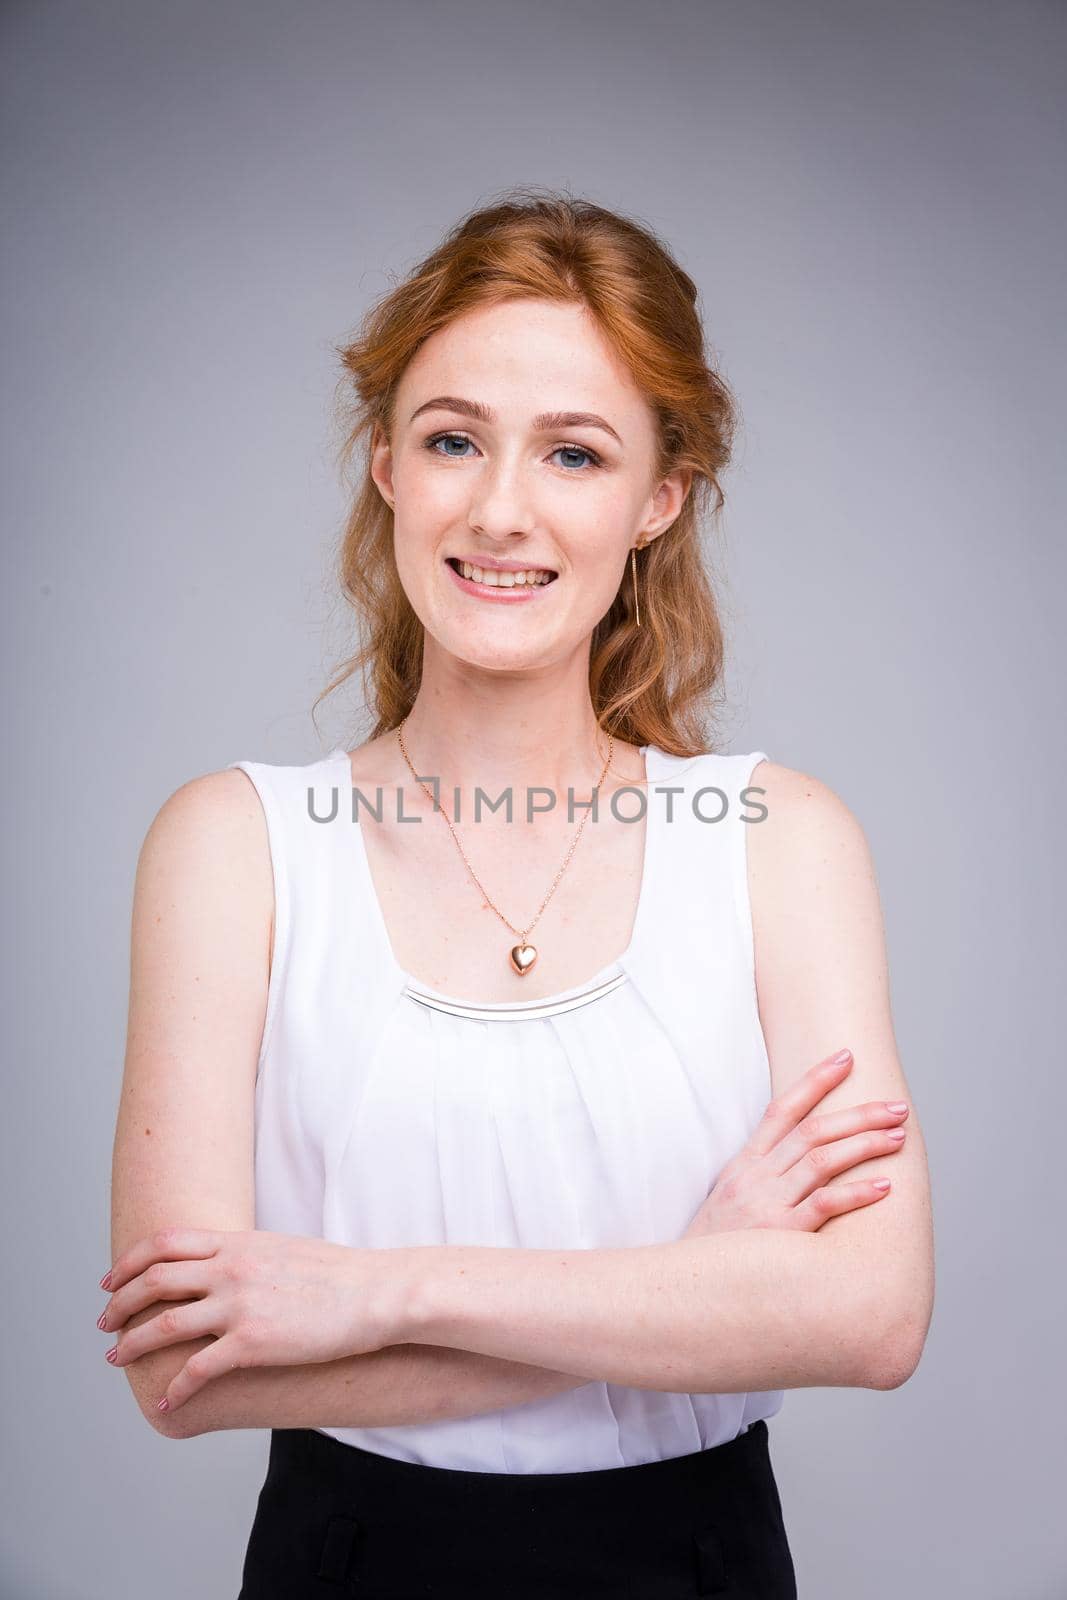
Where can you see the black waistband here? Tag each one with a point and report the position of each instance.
(351, 1470)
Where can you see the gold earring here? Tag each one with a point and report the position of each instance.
(640, 545)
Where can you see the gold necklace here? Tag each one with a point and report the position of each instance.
(523, 955)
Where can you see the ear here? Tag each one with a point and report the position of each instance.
(381, 464)
(667, 502)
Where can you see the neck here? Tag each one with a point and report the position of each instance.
(522, 731)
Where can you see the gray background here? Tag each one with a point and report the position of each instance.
(199, 199)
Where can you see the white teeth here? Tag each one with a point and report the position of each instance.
(504, 580)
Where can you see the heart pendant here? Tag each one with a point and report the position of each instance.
(523, 957)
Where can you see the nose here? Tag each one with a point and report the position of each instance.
(501, 501)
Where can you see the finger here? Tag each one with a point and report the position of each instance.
(822, 1127)
(835, 1200)
(167, 1244)
(163, 1280)
(828, 1160)
(785, 1110)
(212, 1362)
(174, 1325)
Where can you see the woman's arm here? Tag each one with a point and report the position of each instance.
(761, 1309)
(183, 1153)
(402, 1384)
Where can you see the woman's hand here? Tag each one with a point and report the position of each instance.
(269, 1300)
(779, 1179)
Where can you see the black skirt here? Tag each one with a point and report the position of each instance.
(333, 1519)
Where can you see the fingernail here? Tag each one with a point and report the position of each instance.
(896, 1106)
(101, 1319)
(164, 1404)
(880, 1183)
(841, 1057)
(898, 1135)
(105, 1281)
(112, 1353)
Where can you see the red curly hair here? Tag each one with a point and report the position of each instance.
(658, 683)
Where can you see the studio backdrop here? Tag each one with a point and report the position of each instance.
(200, 201)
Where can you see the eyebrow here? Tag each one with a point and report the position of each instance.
(546, 422)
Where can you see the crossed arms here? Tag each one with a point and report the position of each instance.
(753, 1309)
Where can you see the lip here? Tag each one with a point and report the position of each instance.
(500, 566)
(520, 594)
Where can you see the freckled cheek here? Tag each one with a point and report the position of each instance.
(424, 502)
(428, 483)
(591, 535)
(418, 534)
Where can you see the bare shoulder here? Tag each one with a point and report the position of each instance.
(203, 908)
(211, 835)
(216, 808)
(821, 963)
(808, 841)
(799, 806)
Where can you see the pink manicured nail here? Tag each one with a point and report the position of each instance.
(112, 1353)
(164, 1404)
(101, 1319)
(841, 1057)
(105, 1281)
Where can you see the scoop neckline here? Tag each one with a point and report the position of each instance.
(416, 985)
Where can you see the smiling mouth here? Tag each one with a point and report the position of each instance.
(502, 580)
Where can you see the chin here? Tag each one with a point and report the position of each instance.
(502, 660)
(482, 650)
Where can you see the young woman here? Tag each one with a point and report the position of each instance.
(509, 1099)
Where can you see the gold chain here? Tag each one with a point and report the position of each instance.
(522, 932)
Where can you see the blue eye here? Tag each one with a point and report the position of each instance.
(447, 438)
(562, 449)
(577, 450)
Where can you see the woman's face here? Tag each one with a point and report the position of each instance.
(479, 469)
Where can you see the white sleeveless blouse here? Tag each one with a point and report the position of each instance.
(388, 1114)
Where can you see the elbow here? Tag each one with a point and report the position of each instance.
(175, 1427)
(897, 1355)
(171, 1427)
(148, 1384)
(891, 1370)
(899, 1307)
